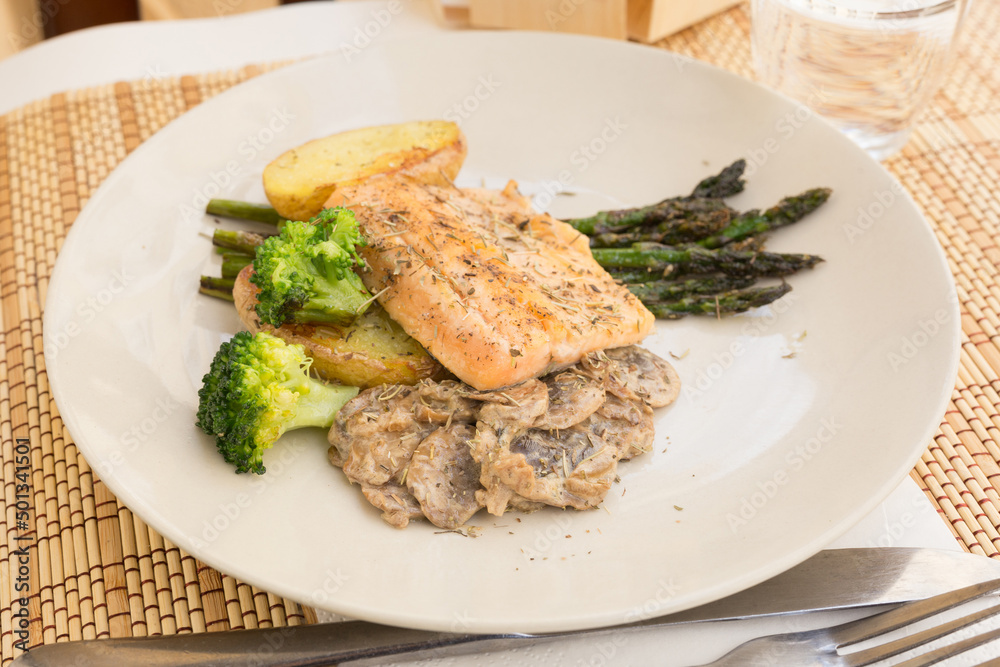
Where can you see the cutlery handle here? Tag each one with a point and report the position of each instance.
(298, 646)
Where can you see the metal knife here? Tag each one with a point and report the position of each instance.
(832, 579)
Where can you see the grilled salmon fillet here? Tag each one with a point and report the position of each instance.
(495, 291)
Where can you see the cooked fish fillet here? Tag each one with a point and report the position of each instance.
(495, 291)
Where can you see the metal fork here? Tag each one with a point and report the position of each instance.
(821, 647)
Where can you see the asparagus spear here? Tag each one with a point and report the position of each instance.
(672, 290)
(666, 273)
(233, 263)
(727, 182)
(241, 241)
(671, 222)
(230, 208)
(221, 288)
(695, 259)
(787, 211)
(609, 222)
(636, 276)
(736, 301)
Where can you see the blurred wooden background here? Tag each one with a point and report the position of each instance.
(27, 22)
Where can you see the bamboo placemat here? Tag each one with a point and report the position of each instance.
(93, 569)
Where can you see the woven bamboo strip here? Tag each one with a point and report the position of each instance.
(213, 598)
(957, 487)
(8, 521)
(262, 607)
(307, 615)
(193, 589)
(236, 613)
(52, 578)
(244, 603)
(280, 611)
(126, 114)
(922, 475)
(159, 582)
(79, 607)
(941, 492)
(130, 571)
(8, 524)
(110, 553)
(96, 624)
(83, 607)
(23, 392)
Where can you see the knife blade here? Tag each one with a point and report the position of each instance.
(832, 579)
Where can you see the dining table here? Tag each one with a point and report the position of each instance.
(78, 564)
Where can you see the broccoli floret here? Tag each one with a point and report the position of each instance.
(305, 274)
(257, 388)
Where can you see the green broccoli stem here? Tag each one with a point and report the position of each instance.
(340, 303)
(673, 290)
(233, 263)
(727, 303)
(695, 259)
(220, 288)
(786, 212)
(318, 402)
(241, 210)
(240, 240)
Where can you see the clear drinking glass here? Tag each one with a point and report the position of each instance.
(868, 66)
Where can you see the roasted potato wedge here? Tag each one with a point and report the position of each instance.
(300, 180)
(373, 350)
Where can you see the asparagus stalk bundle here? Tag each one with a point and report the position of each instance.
(221, 288)
(706, 198)
(670, 222)
(735, 301)
(230, 208)
(233, 263)
(672, 261)
(691, 254)
(239, 241)
(675, 290)
(753, 223)
(701, 217)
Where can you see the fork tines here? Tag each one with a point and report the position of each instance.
(880, 624)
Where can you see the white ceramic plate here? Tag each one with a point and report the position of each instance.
(796, 420)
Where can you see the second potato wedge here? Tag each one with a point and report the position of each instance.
(300, 180)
